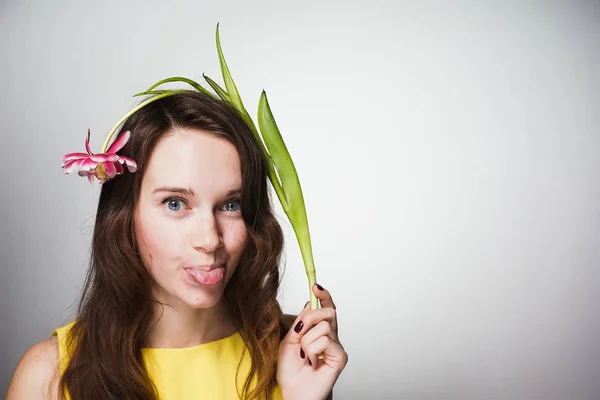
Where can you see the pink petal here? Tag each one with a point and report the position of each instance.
(87, 143)
(71, 166)
(73, 156)
(119, 143)
(67, 164)
(110, 170)
(87, 164)
(104, 157)
(131, 165)
(91, 178)
(119, 168)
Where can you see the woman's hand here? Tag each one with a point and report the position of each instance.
(300, 372)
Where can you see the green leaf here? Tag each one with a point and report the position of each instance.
(146, 93)
(190, 82)
(234, 96)
(293, 199)
(278, 151)
(220, 91)
(282, 172)
(235, 100)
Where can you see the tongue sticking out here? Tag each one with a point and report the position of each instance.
(206, 277)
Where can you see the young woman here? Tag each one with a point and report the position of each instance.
(180, 298)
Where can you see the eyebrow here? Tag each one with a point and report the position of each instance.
(188, 191)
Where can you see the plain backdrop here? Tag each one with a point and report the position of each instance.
(448, 153)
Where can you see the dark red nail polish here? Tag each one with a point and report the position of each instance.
(320, 287)
(298, 327)
(302, 355)
(309, 362)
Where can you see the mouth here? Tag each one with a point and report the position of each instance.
(206, 275)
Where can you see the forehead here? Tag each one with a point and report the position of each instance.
(194, 159)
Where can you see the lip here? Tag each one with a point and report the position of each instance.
(208, 267)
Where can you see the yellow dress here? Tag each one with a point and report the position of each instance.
(206, 371)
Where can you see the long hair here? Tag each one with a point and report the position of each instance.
(115, 311)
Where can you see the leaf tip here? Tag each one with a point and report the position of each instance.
(263, 98)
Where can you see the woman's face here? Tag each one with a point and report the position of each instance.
(188, 221)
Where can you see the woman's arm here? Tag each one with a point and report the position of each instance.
(36, 375)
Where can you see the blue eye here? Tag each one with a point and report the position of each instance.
(173, 203)
(230, 203)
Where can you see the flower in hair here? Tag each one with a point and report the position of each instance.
(103, 166)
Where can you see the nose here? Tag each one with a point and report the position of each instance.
(206, 234)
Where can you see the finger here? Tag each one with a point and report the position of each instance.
(312, 317)
(306, 308)
(302, 313)
(323, 295)
(323, 328)
(293, 333)
(334, 354)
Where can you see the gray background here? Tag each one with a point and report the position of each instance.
(448, 153)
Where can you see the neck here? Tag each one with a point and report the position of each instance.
(179, 327)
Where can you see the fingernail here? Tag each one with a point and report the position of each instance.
(306, 304)
(320, 287)
(309, 362)
(302, 355)
(298, 327)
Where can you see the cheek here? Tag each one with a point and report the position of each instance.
(154, 242)
(235, 236)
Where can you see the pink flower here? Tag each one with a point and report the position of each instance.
(103, 166)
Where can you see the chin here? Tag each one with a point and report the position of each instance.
(200, 300)
(200, 296)
(189, 293)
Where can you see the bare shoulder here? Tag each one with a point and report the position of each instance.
(36, 375)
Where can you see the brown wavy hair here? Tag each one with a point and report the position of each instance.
(114, 314)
